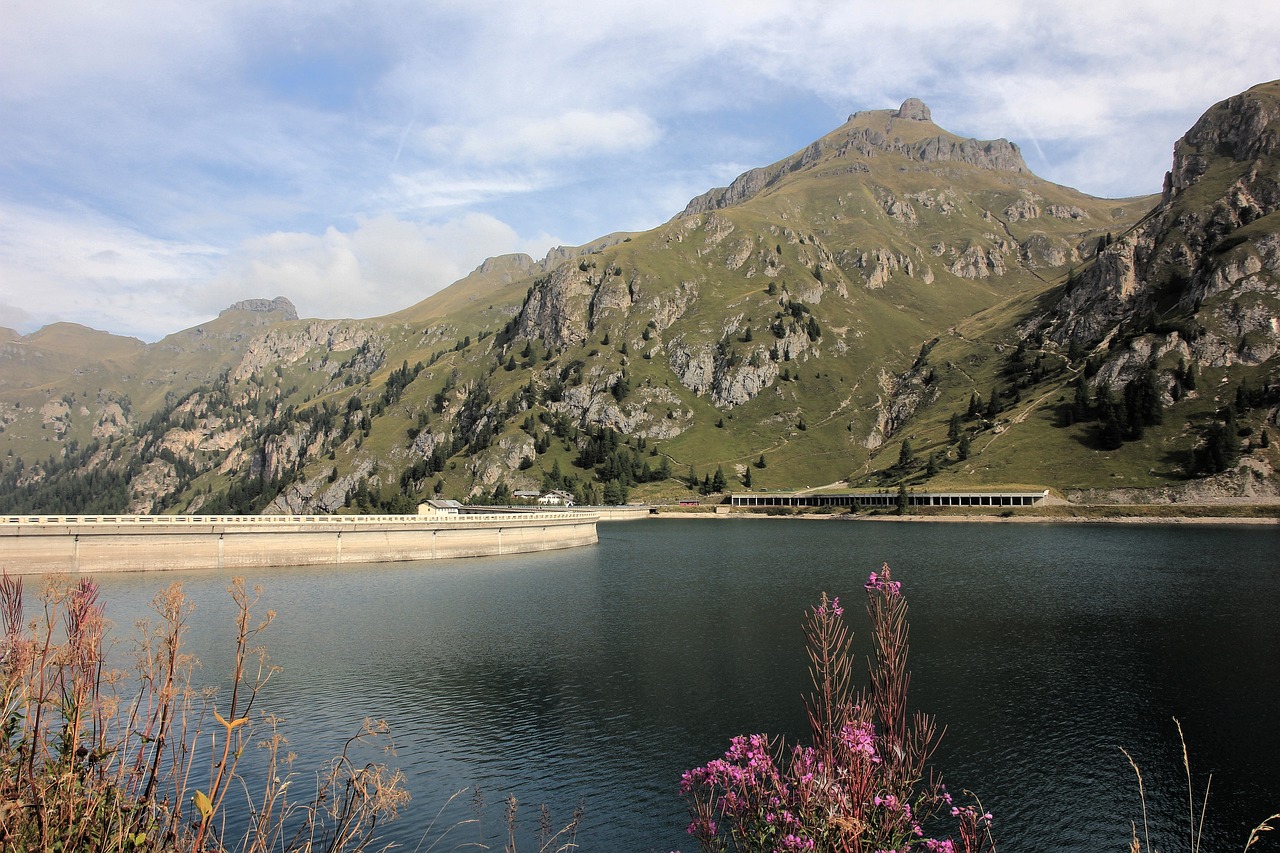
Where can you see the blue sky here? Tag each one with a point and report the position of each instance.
(159, 160)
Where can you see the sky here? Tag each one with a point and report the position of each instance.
(160, 161)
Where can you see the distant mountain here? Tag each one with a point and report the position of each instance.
(893, 303)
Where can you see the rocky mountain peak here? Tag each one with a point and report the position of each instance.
(265, 306)
(509, 266)
(1244, 127)
(865, 135)
(914, 109)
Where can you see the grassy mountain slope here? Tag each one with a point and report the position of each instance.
(891, 283)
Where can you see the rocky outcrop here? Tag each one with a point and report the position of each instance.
(867, 141)
(730, 378)
(112, 421)
(56, 415)
(1252, 483)
(901, 396)
(913, 109)
(290, 345)
(278, 305)
(652, 412)
(880, 265)
(559, 309)
(158, 479)
(978, 261)
(999, 154)
(1023, 208)
(1197, 248)
(562, 254)
(500, 462)
(1241, 128)
(318, 494)
(510, 267)
(898, 209)
(666, 308)
(943, 201)
(1129, 362)
(1039, 251)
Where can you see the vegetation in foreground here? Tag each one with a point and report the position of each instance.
(94, 760)
(863, 782)
(97, 760)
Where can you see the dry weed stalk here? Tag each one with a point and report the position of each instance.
(1195, 822)
(90, 763)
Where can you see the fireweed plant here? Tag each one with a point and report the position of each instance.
(862, 785)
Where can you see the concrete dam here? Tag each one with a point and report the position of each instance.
(36, 544)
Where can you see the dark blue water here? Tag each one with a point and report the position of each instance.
(599, 675)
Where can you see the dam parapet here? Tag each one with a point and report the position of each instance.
(37, 544)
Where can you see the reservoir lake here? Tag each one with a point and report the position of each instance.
(597, 675)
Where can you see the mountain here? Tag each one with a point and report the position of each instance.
(893, 303)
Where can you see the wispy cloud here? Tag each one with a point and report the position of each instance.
(537, 139)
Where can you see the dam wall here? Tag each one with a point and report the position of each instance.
(32, 544)
(630, 512)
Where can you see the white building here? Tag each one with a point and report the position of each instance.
(435, 507)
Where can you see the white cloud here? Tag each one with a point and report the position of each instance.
(106, 277)
(80, 268)
(13, 317)
(383, 265)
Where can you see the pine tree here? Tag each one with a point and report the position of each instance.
(718, 483)
(993, 404)
(954, 427)
(1080, 405)
(905, 454)
(965, 445)
(746, 477)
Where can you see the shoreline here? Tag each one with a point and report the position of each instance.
(1205, 520)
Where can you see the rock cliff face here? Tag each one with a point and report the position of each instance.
(289, 345)
(1207, 258)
